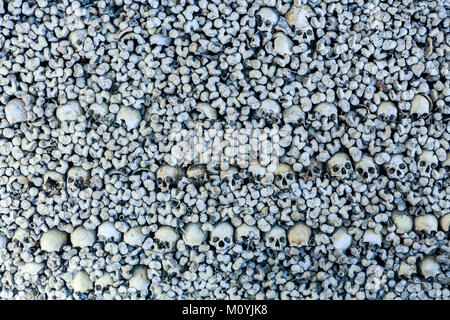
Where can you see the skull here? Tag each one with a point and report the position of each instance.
(260, 174)
(366, 168)
(18, 185)
(282, 44)
(222, 236)
(340, 166)
(232, 177)
(15, 111)
(299, 235)
(139, 279)
(269, 110)
(284, 176)
(77, 38)
(268, 17)
(428, 161)
(276, 238)
(167, 176)
(197, 173)
(97, 111)
(129, 116)
(420, 107)
(194, 235)
(396, 168)
(107, 232)
(53, 182)
(77, 178)
(166, 238)
(387, 112)
(298, 18)
(293, 114)
(326, 113)
(53, 240)
(69, 111)
(246, 234)
(312, 171)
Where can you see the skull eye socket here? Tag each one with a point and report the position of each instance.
(315, 170)
(299, 32)
(392, 117)
(309, 32)
(347, 166)
(433, 165)
(215, 239)
(360, 171)
(278, 178)
(236, 176)
(271, 239)
(227, 240)
(290, 176)
(159, 181)
(402, 166)
(335, 168)
(169, 180)
(391, 171)
(371, 170)
(282, 240)
(267, 23)
(304, 170)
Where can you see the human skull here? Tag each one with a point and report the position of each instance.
(232, 177)
(81, 282)
(197, 173)
(269, 110)
(420, 107)
(166, 238)
(139, 279)
(194, 235)
(77, 38)
(246, 234)
(259, 174)
(107, 232)
(282, 44)
(97, 111)
(293, 114)
(276, 238)
(77, 178)
(284, 176)
(311, 172)
(222, 236)
(340, 165)
(17, 185)
(53, 182)
(167, 176)
(366, 168)
(69, 111)
(268, 18)
(387, 111)
(396, 168)
(326, 113)
(428, 161)
(15, 111)
(299, 235)
(129, 117)
(53, 240)
(298, 19)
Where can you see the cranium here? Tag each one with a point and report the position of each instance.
(81, 237)
(396, 168)
(53, 240)
(246, 234)
(403, 222)
(293, 114)
(298, 18)
(282, 44)
(284, 176)
(53, 182)
(276, 238)
(428, 161)
(139, 279)
(366, 168)
(299, 235)
(81, 282)
(222, 236)
(426, 223)
(326, 112)
(387, 112)
(313, 171)
(15, 111)
(197, 173)
(232, 177)
(341, 239)
(259, 174)
(77, 38)
(340, 165)
(69, 111)
(97, 111)
(108, 232)
(166, 238)
(167, 176)
(17, 185)
(269, 110)
(268, 17)
(77, 178)
(429, 267)
(194, 235)
(420, 106)
(129, 116)
(134, 237)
